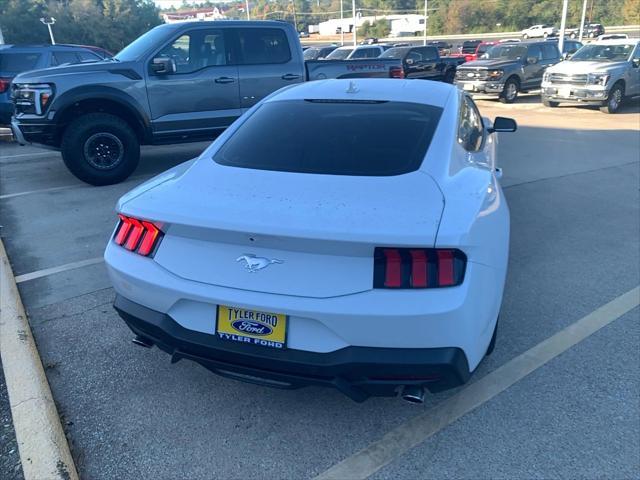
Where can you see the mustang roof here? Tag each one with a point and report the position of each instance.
(414, 91)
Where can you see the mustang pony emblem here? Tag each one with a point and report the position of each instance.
(253, 263)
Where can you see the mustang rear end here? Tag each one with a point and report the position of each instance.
(340, 234)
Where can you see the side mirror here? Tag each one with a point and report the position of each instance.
(636, 62)
(163, 66)
(566, 55)
(409, 61)
(532, 60)
(503, 124)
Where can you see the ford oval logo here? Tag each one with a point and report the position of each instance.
(254, 328)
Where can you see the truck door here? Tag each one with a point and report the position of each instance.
(533, 71)
(633, 87)
(203, 94)
(425, 63)
(266, 62)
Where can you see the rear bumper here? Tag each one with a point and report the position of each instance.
(358, 372)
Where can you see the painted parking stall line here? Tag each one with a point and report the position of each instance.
(410, 434)
(61, 268)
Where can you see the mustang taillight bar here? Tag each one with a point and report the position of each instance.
(418, 267)
(139, 236)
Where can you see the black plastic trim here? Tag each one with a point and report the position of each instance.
(358, 372)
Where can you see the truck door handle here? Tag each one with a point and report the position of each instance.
(225, 80)
(290, 76)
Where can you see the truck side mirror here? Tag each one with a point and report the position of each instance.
(163, 66)
(503, 124)
(409, 61)
(532, 60)
(636, 62)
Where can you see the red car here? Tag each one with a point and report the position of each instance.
(471, 52)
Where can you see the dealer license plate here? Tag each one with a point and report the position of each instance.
(251, 326)
(564, 92)
(468, 86)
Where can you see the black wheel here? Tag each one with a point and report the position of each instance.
(549, 103)
(545, 34)
(573, 35)
(492, 343)
(100, 149)
(449, 76)
(616, 96)
(510, 91)
(525, 36)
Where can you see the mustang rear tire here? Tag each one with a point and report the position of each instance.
(100, 149)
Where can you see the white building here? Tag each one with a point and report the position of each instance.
(400, 25)
(203, 14)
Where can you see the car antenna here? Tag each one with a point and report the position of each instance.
(353, 88)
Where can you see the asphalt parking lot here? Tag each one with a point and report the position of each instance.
(571, 178)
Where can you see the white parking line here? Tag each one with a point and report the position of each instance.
(61, 268)
(43, 190)
(5, 157)
(406, 436)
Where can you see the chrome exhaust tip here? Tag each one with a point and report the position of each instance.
(413, 394)
(141, 341)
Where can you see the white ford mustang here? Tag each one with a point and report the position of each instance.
(343, 233)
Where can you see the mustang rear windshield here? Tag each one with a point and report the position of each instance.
(333, 137)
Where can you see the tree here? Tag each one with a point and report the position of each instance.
(110, 24)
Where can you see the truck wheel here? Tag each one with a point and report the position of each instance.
(492, 343)
(616, 95)
(525, 36)
(545, 34)
(449, 76)
(510, 91)
(573, 35)
(100, 149)
(549, 103)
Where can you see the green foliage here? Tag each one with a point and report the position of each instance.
(110, 24)
(378, 29)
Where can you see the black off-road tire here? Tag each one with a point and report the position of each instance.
(492, 343)
(615, 99)
(550, 103)
(507, 96)
(100, 149)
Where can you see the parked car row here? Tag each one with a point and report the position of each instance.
(603, 73)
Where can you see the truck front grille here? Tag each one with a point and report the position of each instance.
(567, 79)
(469, 74)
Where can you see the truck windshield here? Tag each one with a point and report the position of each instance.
(507, 52)
(603, 53)
(141, 45)
(397, 53)
(333, 137)
(339, 54)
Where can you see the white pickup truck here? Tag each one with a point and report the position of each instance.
(602, 73)
(539, 31)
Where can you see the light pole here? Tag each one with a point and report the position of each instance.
(295, 16)
(424, 33)
(563, 24)
(353, 9)
(584, 14)
(48, 23)
(246, 7)
(341, 24)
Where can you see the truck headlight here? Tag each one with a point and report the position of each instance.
(598, 79)
(545, 77)
(495, 74)
(32, 98)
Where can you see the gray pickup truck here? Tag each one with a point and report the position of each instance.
(176, 83)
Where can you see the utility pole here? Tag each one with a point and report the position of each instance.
(246, 7)
(591, 11)
(424, 33)
(48, 22)
(563, 24)
(295, 16)
(341, 23)
(584, 13)
(355, 35)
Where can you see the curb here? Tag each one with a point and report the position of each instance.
(43, 447)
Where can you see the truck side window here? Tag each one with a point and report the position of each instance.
(197, 50)
(535, 51)
(429, 53)
(470, 126)
(263, 46)
(549, 51)
(64, 57)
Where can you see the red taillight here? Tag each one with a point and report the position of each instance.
(4, 84)
(136, 235)
(418, 267)
(396, 72)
